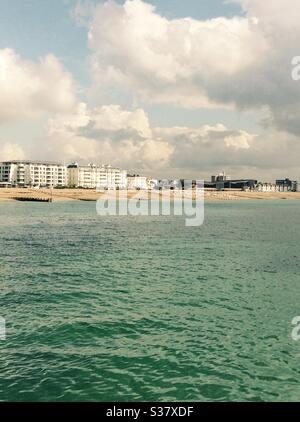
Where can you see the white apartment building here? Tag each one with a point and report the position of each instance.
(33, 174)
(93, 176)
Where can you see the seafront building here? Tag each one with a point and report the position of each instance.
(43, 174)
(223, 181)
(92, 176)
(137, 183)
(287, 185)
(33, 174)
(221, 177)
(267, 187)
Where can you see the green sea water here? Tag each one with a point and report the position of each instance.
(124, 309)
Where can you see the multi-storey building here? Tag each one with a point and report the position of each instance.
(33, 174)
(93, 176)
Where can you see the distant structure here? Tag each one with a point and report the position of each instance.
(168, 184)
(32, 174)
(137, 182)
(223, 181)
(152, 183)
(44, 174)
(267, 187)
(221, 177)
(287, 185)
(92, 176)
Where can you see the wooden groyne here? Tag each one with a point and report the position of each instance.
(31, 199)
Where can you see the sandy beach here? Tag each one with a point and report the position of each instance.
(11, 194)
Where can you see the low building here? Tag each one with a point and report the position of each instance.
(287, 185)
(93, 176)
(178, 184)
(33, 174)
(164, 184)
(136, 182)
(152, 183)
(266, 187)
(243, 184)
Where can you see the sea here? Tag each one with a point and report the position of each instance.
(107, 308)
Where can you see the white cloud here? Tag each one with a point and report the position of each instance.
(111, 134)
(169, 60)
(29, 89)
(241, 62)
(11, 151)
(108, 134)
(239, 141)
(126, 138)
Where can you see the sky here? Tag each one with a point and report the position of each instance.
(165, 88)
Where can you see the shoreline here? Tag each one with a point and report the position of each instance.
(12, 194)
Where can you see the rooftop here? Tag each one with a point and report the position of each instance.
(92, 165)
(51, 163)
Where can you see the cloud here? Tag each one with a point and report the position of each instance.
(171, 61)
(242, 62)
(11, 151)
(111, 134)
(29, 89)
(126, 138)
(208, 147)
(108, 134)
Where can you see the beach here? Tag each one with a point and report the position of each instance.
(12, 194)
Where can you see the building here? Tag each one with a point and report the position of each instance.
(221, 177)
(33, 174)
(168, 184)
(287, 185)
(152, 183)
(92, 176)
(137, 183)
(267, 187)
(177, 184)
(243, 184)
